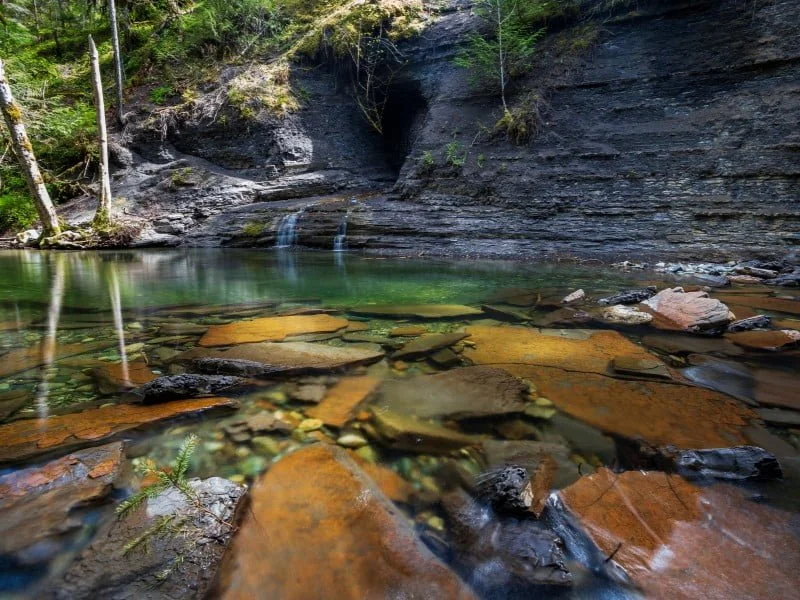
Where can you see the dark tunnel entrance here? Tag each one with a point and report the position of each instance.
(402, 119)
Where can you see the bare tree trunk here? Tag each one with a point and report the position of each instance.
(112, 11)
(502, 57)
(27, 159)
(101, 217)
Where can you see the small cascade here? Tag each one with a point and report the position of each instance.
(340, 240)
(287, 230)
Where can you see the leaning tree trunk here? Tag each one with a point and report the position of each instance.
(27, 159)
(101, 217)
(112, 12)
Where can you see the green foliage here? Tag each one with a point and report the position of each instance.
(455, 155)
(166, 478)
(504, 52)
(253, 229)
(16, 210)
(161, 93)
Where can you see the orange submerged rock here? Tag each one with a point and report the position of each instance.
(271, 329)
(337, 407)
(676, 540)
(320, 528)
(574, 350)
(659, 413)
(30, 437)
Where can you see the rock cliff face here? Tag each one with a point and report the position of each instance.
(670, 131)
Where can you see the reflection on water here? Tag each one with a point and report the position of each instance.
(78, 330)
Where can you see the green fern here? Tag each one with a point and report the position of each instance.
(184, 458)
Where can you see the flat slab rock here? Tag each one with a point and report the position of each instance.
(340, 402)
(427, 344)
(589, 351)
(762, 386)
(423, 311)
(116, 377)
(456, 394)
(27, 438)
(688, 311)
(23, 359)
(319, 527)
(676, 343)
(294, 357)
(662, 529)
(404, 432)
(104, 571)
(657, 412)
(36, 502)
(270, 329)
(765, 340)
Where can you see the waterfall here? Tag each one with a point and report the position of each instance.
(340, 240)
(287, 230)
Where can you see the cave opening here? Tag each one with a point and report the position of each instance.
(401, 120)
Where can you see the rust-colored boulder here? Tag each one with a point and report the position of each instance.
(320, 528)
(688, 311)
(31, 437)
(270, 329)
(337, 407)
(36, 502)
(676, 540)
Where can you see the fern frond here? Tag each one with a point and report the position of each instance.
(184, 458)
(130, 504)
(161, 526)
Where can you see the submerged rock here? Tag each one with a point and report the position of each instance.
(660, 529)
(640, 367)
(674, 343)
(176, 387)
(113, 378)
(270, 329)
(403, 432)
(32, 437)
(587, 351)
(688, 311)
(629, 296)
(462, 393)
(422, 311)
(293, 357)
(179, 564)
(427, 344)
(738, 464)
(503, 555)
(36, 502)
(660, 413)
(329, 533)
(340, 402)
(765, 340)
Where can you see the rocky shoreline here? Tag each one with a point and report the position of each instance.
(548, 439)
